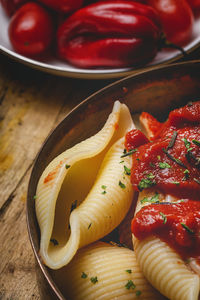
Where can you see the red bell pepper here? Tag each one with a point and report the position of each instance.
(63, 6)
(177, 19)
(195, 5)
(110, 34)
(10, 6)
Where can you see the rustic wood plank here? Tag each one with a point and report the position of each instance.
(31, 105)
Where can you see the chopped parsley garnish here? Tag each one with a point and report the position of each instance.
(158, 157)
(178, 161)
(187, 174)
(130, 285)
(67, 166)
(104, 189)
(129, 271)
(150, 176)
(83, 275)
(173, 139)
(153, 199)
(145, 183)
(127, 171)
(94, 279)
(164, 217)
(35, 197)
(54, 241)
(122, 185)
(187, 144)
(73, 206)
(196, 142)
(176, 182)
(138, 293)
(129, 152)
(164, 165)
(187, 228)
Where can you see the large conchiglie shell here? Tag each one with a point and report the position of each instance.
(102, 271)
(71, 179)
(162, 266)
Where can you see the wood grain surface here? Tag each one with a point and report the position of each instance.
(32, 103)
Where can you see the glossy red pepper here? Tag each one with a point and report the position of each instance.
(10, 6)
(194, 4)
(63, 6)
(177, 19)
(110, 34)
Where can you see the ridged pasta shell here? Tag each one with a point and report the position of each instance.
(163, 267)
(102, 271)
(71, 179)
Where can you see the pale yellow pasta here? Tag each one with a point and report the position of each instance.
(102, 271)
(162, 266)
(75, 177)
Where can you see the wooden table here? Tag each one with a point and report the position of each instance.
(32, 103)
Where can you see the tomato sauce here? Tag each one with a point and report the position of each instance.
(177, 224)
(171, 161)
(170, 164)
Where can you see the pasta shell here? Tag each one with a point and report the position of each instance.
(71, 179)
(102, 271)
(163, 267)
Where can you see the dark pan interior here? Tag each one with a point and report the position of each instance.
(156, 91)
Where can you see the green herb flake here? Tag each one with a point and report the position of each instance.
(84, 275)
(104, 189)
(187, 174)
(150, 176)
(164, 165)
(153, 199)
(122, 185)
(94, 279)
(159, 157)
(89, 225)
(196, 142)
(35, 197)
(129, 271)
(54, 241)
(187, 144)
(67, 166)
(189, 230)
(145, 183)
(130, 285)
(138, 293)
(121, 162)
(129, 153)
(164, 217)
(127, 171)
(176, 182)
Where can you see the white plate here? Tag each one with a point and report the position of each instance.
(58, 67)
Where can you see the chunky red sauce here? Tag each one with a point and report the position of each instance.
(170, 163)
(177, 224)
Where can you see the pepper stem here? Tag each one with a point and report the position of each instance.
(164, 43)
